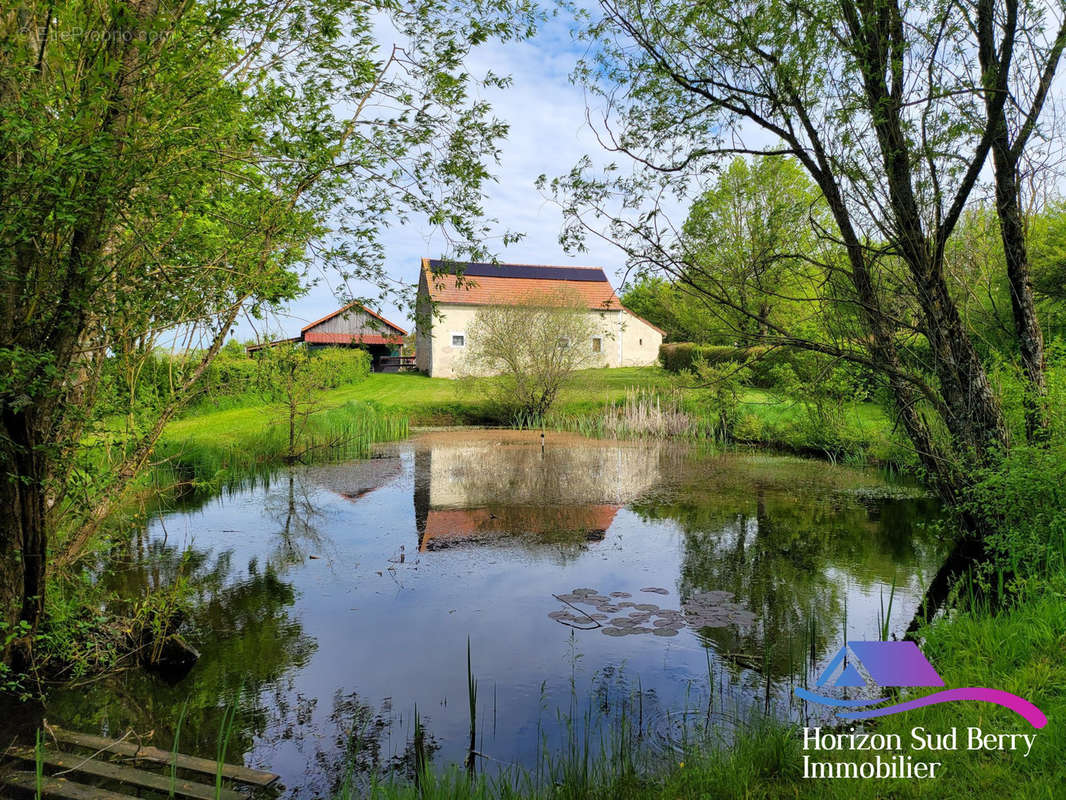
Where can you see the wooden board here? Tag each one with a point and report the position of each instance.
(62, 788)
(123, 774)
(255, 777)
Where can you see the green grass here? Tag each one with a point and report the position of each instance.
(433, 401)
(209, 451)
(860, 431)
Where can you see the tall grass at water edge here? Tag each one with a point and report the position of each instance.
(1017, 649)
(213, 457)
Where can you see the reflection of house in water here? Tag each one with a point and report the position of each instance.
(505, 483)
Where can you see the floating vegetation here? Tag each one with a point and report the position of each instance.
(715, 609)
(877, 494)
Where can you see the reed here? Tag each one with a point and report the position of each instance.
(174, 751)
(211, 459)
(38, 765)
(224, 731)
(885, 614)
(471, 694)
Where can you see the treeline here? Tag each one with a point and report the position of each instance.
(974, 261)
(137, 387)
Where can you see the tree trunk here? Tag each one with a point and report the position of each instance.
(23, 536)
(1023, 305)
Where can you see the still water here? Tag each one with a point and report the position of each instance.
(601, 585)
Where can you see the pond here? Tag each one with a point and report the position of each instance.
(600, 586)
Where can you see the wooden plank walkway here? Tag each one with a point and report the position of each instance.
(73, 766)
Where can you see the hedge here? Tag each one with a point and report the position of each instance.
(680, 356)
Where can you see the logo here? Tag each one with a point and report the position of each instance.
(900, 664)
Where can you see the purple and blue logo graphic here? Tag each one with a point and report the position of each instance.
(900, 664)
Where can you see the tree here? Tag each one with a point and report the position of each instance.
(166, 166)
(1024, 81)
(291, 373)
(533, 349)
(752, 236)
(891, 113)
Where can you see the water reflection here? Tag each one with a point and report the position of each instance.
(243, 625)
(485, 486)
(333, 601)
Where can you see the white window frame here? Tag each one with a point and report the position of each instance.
(453, 334)
(595, 340)
(564, 343)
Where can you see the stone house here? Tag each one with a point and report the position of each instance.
(620, 338)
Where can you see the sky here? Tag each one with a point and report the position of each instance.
(548, 134)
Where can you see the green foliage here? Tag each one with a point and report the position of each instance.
(234, 378)
(1025, 498)
(684, 356)
(678, 312)
(165, 167)
(531, 350)
(786, 369)
(208, 455)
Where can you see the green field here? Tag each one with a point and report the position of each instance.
(765, 418)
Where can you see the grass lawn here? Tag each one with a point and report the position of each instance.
(426, 401)
(859, 429)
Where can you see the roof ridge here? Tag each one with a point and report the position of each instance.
(427, 261)
(374, 314)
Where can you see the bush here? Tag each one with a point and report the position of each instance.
(683, 356)
(1024, 497)
(232, 378)
(784, 368)
(342, 366)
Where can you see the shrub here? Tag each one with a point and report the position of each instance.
(1024, 498)
(682, 356)
(343, 366)
(785, 368)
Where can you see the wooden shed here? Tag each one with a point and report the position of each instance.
(355, 325)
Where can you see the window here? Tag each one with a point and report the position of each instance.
(640, 342)
(597, 344)
(564, 343)
(458, 339)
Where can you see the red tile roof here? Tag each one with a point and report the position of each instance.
(475, 523)
(360, 307)
(593, 290)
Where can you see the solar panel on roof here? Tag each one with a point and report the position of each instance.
(521, 271)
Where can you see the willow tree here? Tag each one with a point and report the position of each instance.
(166, 165)
(891, 108)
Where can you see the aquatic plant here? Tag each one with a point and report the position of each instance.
(209, 460)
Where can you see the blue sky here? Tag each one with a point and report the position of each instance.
(548, 135)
